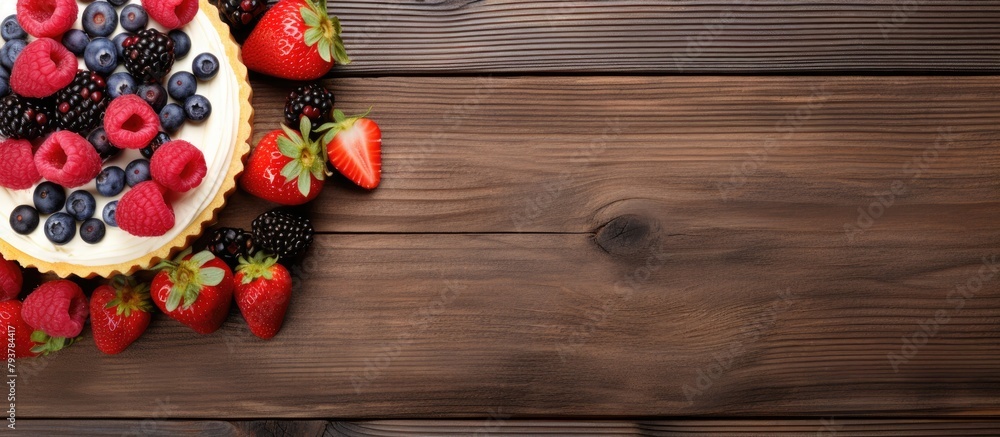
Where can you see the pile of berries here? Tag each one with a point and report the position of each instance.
(62, 124)
(196, 289)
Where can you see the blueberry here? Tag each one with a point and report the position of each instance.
(11, 29)
(109, 213)
(49, 197)
(158, 141)
(4, 82)
(136, 172)
(92, 231)
(120, 84)
(197, 108)
(134, 18)
(75, 41)
(24, 219)
(172, 117)
(118, 41)
(99, 139)
(117, 3)
(182, 85)
(154, 94)
(182, 43)
(111, 181)
(81, 205)
(60, 228)
(205, 66)
(99, 19)
(101, 56)
(10, 51)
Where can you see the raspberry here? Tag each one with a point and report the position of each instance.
(43, 68)
(67, 159)
(46, 18)
(144, 212)
(17, 167)
(130, 122)
(10, 279)
(178, 166)
(57, 308)
(172, 14)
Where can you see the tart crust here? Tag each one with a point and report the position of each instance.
(207, 217)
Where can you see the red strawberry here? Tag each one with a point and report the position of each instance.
(119, 314)
(263, 289)
(10, 279)
(295, 40)
(195, 289)
(355, 148)
(10, 320)
(286, 167)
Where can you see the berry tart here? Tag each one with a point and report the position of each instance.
(111, 156)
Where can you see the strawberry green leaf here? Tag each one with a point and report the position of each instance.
(310, 17)
(288, 148)
(173, 300)
(201, 258)
(211, 276)
(304, 184)
(314, 36)
(291, 171)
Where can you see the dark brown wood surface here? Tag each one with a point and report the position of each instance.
(568, 229)
(640, 289)
(498, 427)
(689, 36)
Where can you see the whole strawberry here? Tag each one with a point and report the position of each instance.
(10, 279)
(194, 289)
(295, 40)
(10, 320)
(119, 313)
(286, 167)
(263, 290)
(57, 311)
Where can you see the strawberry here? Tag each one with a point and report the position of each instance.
(355, 148)
(263, 289)
(194, 289)
(286, 167)
(295, 40)
(119, 313)
(11, 321)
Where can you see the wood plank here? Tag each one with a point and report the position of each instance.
(509, 427)
(745, 321)
(568, 154)
(691, 36)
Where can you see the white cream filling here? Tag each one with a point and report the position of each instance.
(216, 137)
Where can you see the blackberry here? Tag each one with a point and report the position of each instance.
(80, 106)
(313, 101)
(24, 118)
(241, 15)
(229, 244)
(149, 55)
(282, 233)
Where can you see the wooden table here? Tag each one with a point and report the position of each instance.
(636, 217)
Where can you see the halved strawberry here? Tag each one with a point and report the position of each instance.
(354, 146)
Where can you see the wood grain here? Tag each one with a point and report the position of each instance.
(637, 36)
(569, 154)
(390, 428)
(742, 322)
